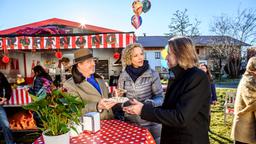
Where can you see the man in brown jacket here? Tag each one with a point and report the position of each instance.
(89, 85)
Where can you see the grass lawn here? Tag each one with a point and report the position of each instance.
(220, 133)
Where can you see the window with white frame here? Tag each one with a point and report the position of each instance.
(157, 55)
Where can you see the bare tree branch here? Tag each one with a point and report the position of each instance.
(244, 25)
(221, 25)
(241, 27)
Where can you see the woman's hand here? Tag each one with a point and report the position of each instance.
(105, 104)
(118, 92)
(135, 108)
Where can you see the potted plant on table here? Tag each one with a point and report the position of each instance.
(57, 111)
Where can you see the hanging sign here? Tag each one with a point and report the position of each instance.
(111, 40)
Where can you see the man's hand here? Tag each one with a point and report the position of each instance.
(105, 104)
(2, 100)
(135, 108)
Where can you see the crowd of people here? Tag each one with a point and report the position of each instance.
(182, 115)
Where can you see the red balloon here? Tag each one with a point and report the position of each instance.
(116, 55)
(58, 55)
(5, 59)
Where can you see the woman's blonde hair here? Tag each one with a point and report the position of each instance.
(251, 65)
(184, 51)
(127, 53)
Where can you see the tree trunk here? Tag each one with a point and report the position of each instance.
(220, 66)
(233, 67)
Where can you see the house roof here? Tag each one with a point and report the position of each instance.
(153, 41)
(161, 41)
(57, 21)
(217, 40)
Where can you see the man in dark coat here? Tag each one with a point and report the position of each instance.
(5, 94)
(184, 114)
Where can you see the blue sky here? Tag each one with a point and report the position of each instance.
(116, 14)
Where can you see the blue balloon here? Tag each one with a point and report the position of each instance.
(146, 5)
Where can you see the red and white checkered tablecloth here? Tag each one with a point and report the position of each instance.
(19, 97)
(112, 132)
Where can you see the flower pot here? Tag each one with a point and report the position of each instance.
(60, 139)
(79, 129)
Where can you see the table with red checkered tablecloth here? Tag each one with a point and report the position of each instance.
(112, 132)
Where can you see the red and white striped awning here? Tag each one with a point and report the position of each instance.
(105, 40)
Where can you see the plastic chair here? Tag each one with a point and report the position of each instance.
(229, 104)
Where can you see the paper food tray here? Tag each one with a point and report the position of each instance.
(118, 99)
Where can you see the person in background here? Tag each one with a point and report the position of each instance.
(213, 99)
(57, 75)
(141, 83)
(5, 94)
(244, 122)
(67, 67)
(89, 85)
(184, 114)
(113, 80)
(40, 78)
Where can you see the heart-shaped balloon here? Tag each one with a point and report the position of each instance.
(146, 5)
(136, 21)
(137, 7)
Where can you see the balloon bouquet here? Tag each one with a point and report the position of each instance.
(139, 7)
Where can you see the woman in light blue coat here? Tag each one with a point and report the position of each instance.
(141, 83)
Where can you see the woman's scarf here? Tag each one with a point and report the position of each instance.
(137, 72)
